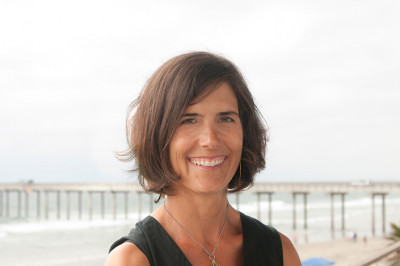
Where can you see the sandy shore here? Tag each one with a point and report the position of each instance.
(344, 251)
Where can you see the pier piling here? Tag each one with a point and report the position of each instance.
(102, 204)
(383, 214)
(126, 204)
(294, 210)
(114, 204)
(139, 193)
(270, 208)
(343, 213)
(26, 204)
(58, 204)
(373, 215)
(46, 204)
(19, 199)
(1, 203)
(90, 205)
(68, 204)
(80, 204)
(332, 215)
(151, 202)
(38, 202)
(305, 210)
(258, 206)
(7, 203)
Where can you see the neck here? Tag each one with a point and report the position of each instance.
(201, 215)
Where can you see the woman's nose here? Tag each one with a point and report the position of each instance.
(209, 137)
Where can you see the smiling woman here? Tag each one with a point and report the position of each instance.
(162, 105)
(195, 135)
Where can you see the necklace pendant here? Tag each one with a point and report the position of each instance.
(213, 263)
(212, 258)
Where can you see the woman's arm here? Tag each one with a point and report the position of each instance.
(290, 256)
(127, 254)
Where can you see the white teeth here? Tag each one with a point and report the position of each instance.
(207, 162)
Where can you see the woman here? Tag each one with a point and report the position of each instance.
(195, 135)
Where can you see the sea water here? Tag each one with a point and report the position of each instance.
(35, 240)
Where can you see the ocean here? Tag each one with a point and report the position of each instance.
(35, 240)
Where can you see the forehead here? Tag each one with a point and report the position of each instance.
(221, 95)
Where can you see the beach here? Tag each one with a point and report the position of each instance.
(344, 252)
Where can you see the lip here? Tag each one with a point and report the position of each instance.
(208, 162)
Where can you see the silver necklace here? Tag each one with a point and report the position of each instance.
(211, 256)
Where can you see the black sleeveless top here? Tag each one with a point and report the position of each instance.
(261, 243)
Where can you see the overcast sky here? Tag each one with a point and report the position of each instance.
(325, 74)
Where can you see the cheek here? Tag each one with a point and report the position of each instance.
(237, 140)
(176, 153)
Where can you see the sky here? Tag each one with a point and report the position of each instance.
(325, 75)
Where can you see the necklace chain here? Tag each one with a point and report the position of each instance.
(210, 255)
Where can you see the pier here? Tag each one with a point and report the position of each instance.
(340, 189)
(46, 195)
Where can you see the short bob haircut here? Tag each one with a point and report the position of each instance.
(154, 116)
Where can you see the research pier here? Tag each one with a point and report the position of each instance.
(23, 192)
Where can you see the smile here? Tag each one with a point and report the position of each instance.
(208, 162)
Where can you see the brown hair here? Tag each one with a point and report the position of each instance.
(162, 102)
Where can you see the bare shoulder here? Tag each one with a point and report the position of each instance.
(290, 256)
(127, 254)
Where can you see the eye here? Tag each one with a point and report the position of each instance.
(227, 119)
(188, 121)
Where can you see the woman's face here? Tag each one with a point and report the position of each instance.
(206, 148)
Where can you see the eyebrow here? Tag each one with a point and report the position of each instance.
(190, 114)
(220, 114)
(228, 113)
